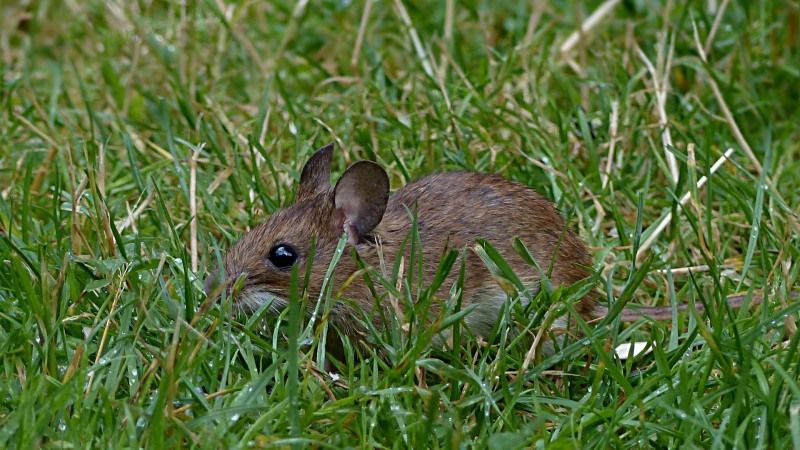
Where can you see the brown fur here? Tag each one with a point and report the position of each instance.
(453, 209)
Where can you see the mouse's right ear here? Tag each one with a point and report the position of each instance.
(316, 175)
(360, 199)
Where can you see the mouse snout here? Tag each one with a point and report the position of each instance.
(221, 281)
(210, 283)
(216, 277)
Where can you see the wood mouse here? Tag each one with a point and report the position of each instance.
(453, 209)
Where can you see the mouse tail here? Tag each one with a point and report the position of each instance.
(633, 313)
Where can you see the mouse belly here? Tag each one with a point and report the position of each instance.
(483, 318)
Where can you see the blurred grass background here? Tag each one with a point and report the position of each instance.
(121, 121)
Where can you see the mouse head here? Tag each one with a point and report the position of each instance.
(320, 214)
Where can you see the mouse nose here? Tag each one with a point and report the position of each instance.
(213, 280)
(219, 282)
(209, 284)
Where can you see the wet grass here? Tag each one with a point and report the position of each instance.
(139, 139)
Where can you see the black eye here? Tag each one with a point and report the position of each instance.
(282, 256)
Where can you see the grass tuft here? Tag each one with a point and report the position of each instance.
(139, 139)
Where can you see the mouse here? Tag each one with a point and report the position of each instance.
(453, 210)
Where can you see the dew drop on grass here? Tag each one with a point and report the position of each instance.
(235, 418)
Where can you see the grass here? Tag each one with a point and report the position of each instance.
(120, 122)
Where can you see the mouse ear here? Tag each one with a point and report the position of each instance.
(360, 198)
(316, 175)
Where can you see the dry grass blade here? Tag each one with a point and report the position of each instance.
(592, 21)
(133, 215)
(362, 29)
(415, 40)
(661, 86)
(715, 26)
(683, 200)
(193, 205)
(723, 105)
(612, 141)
